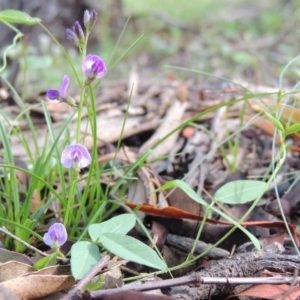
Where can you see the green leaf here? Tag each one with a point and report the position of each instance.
(193, 195)
(47, 261)
(16, 16)
(275, 122)
(132, 249)
(121, 224)
(292, 129)
(84, 256)
(23, 235)
(252, 238)
(240, 191)
(95, 285)
(185, 187)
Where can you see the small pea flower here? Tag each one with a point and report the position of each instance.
(94, 68)
(56, 236)
(76, 156)
(61, 94)
(89, 19)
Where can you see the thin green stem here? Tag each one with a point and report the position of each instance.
(71, 200)
(206, 214)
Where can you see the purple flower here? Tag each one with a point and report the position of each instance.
(56, 236)
(76, 156)
(93, 67)
(61, 94)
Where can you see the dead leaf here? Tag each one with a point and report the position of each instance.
(13, 269)
(6, 256)
(271, 291)
(37, 286)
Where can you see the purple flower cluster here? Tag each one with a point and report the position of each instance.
(77, 156)
(93, 66)
(77, 35)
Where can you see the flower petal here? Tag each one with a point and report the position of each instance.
(101, 69)
(53, 94)
(87, 63)
(64, 86)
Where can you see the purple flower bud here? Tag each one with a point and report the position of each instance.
(89, 19)
(93, 67)
(76, 156)
(56, 236)
(86, 19)
(79, 32)
(93, 17)
(72, 36)
(61, 94)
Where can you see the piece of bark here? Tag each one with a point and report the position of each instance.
(241, 265)
(185, 245)
(134, 295)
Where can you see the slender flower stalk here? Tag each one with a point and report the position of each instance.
(76, 156)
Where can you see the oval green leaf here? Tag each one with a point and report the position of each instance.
(16, 16)
(293, 129)
(240, 191)
(275, 122)
(84, 256)
(121, 224)
(185, 187)
(132, 249)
